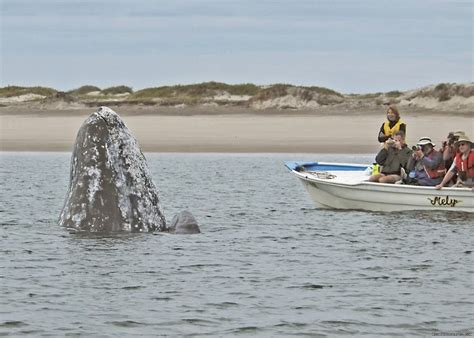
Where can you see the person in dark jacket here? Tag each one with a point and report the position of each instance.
(426, 165)
(392, 125)
(392, 158)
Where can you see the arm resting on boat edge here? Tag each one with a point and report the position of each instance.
(449, 175)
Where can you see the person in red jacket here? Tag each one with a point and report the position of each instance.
(463, 165)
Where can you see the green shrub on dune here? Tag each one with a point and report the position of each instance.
(306, 93)
(195, 91)
(323, 91)
(273, 91)
(150, 93)
(84, 90)
(237, 89)
(394, 94)
(243, 94)
(445, 91)
(10, 91)
(117, 90)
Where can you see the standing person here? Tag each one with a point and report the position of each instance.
(392, 125)
(426, 165)
(392, 157)
(463, 164)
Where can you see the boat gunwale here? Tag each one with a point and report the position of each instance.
(394, 187)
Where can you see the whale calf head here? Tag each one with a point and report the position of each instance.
(184, 223)
(110, 188)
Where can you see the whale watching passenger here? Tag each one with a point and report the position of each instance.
(449, 150)
(392, 157)
(392, 125)
(463, 165)
(449, 147)
(426, 165)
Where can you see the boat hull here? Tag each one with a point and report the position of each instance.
(364, 195)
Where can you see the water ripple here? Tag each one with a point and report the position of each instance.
(266, 264)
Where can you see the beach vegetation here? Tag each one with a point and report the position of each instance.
(10, 91)
(321, 95)
(243, 95)
(367, 96)
(195, 92)
(117, 90)
(324, 91)
(272, 92)
(394, 94)
(445, 91)
(441, 87)
(464, 91)
(84, 90)
(442, 92)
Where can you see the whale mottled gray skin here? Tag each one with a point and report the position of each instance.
(184, 223)
(110, 188)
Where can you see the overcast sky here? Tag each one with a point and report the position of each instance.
(347, 45)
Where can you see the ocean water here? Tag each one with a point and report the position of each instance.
(266, 264)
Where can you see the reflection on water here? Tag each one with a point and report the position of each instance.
(267, 262)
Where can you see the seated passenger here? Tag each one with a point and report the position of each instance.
(426, 165)
(463, 165)
(392, 125)
(392, 157)
(449, 147)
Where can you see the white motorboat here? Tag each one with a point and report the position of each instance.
(346, 186)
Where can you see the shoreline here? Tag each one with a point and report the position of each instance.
(234, 133)
(212, 110)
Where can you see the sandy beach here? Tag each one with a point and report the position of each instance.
(282, 132)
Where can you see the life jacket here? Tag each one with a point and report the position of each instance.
(466, 165)
(390, 131)
(436, 172)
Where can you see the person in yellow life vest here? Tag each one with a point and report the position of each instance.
(392, 125)
(463, 165)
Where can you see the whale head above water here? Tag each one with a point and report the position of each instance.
(110, 188)
(184, 223)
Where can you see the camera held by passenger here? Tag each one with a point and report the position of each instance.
(416, 148)
(391, 142)
(450, 141)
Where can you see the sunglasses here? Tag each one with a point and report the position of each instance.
(462, 144)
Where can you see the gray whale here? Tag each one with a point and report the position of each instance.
(184, 223)
(110, 188)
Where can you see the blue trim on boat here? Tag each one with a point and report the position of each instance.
(317, 166)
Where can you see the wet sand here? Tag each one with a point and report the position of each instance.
(301, 133)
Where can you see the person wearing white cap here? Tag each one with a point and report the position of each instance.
(463, 164)
(426, 165)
